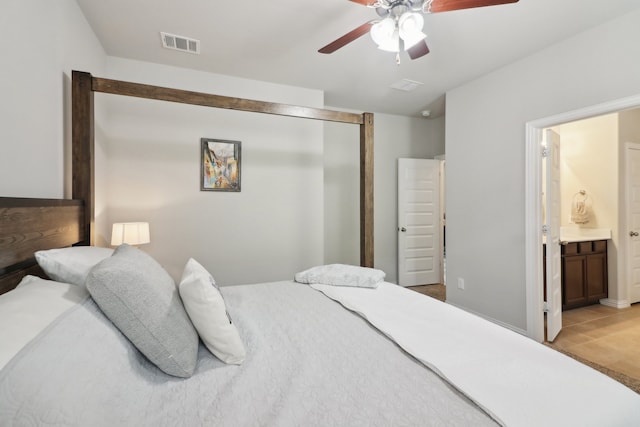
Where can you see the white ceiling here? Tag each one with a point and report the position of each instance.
(277, 41)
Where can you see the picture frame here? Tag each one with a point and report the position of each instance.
(220, 165)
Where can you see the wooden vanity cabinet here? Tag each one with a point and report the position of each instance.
(584, 273)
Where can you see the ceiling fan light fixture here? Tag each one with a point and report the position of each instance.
(411, 21)
(410, 29)
(414, 39)
(386, 35)
(392, 44)
(383, 30)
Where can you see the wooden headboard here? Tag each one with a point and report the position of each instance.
(29, 225)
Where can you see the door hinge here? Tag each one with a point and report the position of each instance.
(545, 151)
(545, 230)
(545, 307)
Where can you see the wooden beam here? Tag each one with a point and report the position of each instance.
(83, 161)
(366, 190)
(117, 87)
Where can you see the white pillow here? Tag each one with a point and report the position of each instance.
(341, 275)
(206, 308)
(71, 265)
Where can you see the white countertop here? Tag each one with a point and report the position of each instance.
(575, 234)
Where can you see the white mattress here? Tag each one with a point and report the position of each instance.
(31, 307)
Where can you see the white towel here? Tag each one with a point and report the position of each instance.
(580, 208)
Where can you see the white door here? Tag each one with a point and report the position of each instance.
(633, 220)
(418, 222)
(552, 219)
(443, 222)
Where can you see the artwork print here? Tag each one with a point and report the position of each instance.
(220, 165)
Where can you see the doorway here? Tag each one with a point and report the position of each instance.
(533, 211)
(418, 222)
(582, 209)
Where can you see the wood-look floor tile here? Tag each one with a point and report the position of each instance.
(603, 335)
(586, 314)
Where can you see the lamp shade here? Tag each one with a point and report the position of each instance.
(131, 233)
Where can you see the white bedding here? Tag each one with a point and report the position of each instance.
(309, 362)
(29, 308)
(518, 381)
(514, 379)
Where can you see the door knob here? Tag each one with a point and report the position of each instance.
(404, 229)
(633, 233)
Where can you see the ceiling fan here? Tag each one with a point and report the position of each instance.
(400, 26)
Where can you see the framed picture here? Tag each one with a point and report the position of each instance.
(219, 165)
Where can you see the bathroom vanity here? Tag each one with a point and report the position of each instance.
(584, 266)
(584, 273)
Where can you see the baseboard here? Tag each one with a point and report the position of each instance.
(492, 320)
(615, 303)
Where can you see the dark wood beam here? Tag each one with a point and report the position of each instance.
(366, 190)
(83, 161)
(117, 87)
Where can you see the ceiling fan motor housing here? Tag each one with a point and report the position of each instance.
(397, 8)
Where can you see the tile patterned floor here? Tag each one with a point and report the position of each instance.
(604, 335)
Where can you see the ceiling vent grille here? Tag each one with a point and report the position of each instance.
(184, 44)
(406, 85)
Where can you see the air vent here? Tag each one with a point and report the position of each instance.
(184, 44)
(406, 85)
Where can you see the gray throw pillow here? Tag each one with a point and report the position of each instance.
(142, 300)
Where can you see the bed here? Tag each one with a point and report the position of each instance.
(329, 348)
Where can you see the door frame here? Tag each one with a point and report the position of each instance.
(533, 202)
(627, 228)
(443, 219)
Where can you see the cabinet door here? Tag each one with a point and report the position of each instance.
(573, 280)
(596, 275)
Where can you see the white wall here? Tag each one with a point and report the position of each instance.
(268, 231)
(589, 161)
(394, 137)
(43, 42)
(485, 145)
(342, 193)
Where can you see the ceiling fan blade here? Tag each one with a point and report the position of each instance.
(347, 38)
(364, 2)
(418, 50)
(447, 5)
